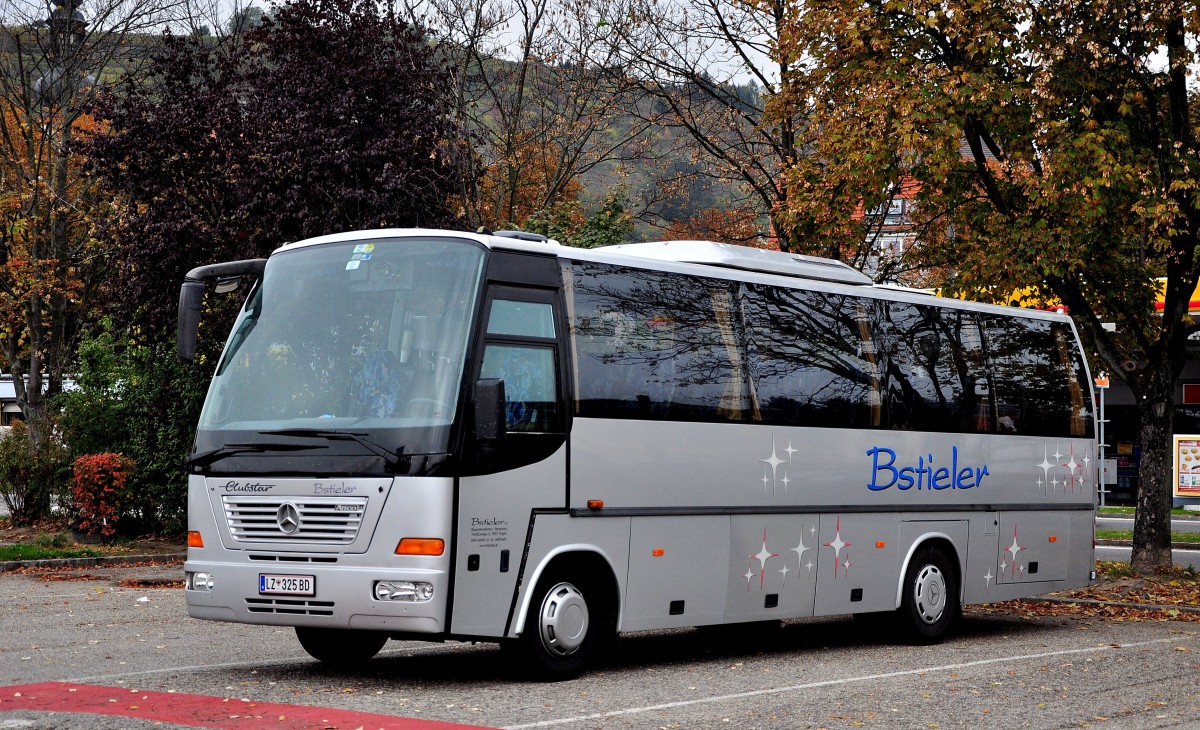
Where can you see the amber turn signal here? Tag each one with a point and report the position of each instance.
(194, 539)
(595, 504)
(421, 546)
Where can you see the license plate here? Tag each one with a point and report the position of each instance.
(287, 585)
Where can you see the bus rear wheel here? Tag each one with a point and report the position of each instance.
(930, 605)
(342, 648)
(565, 625)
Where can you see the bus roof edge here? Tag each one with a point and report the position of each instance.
(745, 258)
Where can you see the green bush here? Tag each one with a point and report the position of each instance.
(141, 401)
(33, 472)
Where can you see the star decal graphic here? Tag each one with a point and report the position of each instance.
(988, 577)
(762, 556)
(838, 545)
(801, 549)
(773, 462)
(1045, 466)
(1069, 470)
(1013, 550)
(771, 476)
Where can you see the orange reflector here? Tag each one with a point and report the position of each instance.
(1053, 538)
(881, 544)
(595, 504)
(421, 546)
(658, 552)
(194, 539)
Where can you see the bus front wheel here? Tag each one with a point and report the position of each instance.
(930, 605)
(562, 629)
(343, 648)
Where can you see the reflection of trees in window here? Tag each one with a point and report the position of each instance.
(1038, 377)
(322, 322)
(936, 379)
(1080, 415)
(655, 345)
(812, 356)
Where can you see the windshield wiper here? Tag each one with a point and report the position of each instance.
(205, 458)
(390, 457)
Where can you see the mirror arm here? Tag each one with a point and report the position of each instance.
(191, 298)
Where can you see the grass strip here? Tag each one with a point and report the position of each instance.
(36, 552)
(1190, 537)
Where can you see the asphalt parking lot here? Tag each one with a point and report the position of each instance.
(119, 638)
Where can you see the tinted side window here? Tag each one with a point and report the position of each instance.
(936, 374)
(530, 385)
(655, 346)
(521, 318)
(1039, 378)
(812, 355)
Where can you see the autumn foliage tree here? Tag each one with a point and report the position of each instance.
(53, 59)
(737, 226)
(329, 116)
(1055, 147)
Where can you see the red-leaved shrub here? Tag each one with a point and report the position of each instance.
(100, 492)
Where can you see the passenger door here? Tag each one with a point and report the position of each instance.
(525, 469)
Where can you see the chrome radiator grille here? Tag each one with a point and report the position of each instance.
(324, 520)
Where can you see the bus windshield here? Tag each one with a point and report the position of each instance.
(367, 335)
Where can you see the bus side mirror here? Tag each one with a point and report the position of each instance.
(489, 409)
(191, 296)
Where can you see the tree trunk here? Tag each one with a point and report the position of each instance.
(1152, 523)
(781, 230)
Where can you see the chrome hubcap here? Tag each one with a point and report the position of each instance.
(563, 619)
(929, 594)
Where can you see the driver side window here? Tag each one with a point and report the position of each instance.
(519, 350)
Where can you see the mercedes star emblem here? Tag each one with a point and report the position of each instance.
(288, 518)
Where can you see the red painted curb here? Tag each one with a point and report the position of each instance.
(201, 710)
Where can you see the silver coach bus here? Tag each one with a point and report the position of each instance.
(439, 435)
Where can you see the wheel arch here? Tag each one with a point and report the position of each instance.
(590, 562)
(931, 539)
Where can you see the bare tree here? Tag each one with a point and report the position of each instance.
(533, 88)
(709, 69)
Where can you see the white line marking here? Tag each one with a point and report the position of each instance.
(834, 682)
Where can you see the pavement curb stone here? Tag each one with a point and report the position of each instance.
(107, 560)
